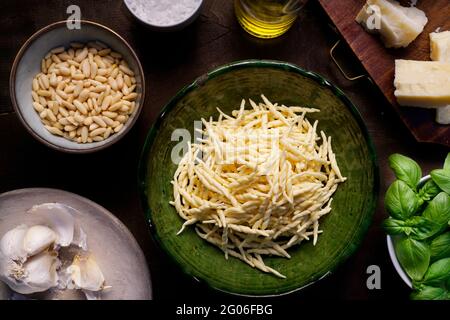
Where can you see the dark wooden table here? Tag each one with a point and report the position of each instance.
(171, 61)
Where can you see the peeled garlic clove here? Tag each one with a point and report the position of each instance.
(11, 244)
(37, 239)
(86, 274)
(41, 271)
(59, 218)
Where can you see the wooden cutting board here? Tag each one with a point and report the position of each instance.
(379, 61)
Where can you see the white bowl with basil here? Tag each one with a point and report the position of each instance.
(418, 227)
(392, 254)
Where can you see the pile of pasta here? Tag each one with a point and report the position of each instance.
(257, 182)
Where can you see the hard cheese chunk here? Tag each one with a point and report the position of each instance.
(440, 51)
(440, 46)
(397, 25)
(423, 84)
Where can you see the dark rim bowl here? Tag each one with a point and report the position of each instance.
(64, 144)
(365, 221)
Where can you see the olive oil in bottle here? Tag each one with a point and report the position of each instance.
(267, 18)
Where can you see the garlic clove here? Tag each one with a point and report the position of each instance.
(37, 239)
(86, 274)
(41, 271)
(38, 274)
(11, 244)
(59, 218)
(10, 271)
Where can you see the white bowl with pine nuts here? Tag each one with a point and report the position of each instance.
(77, 91)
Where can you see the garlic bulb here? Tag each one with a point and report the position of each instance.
(37, 239)
(86, 274)
(38, 274)
(33, 259)
(11, 244)
(59, 219)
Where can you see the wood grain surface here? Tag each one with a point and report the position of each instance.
(379, 61)
(171, 61)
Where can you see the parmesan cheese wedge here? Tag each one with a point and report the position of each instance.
(397, 25)
(440, 51)
(423, 84)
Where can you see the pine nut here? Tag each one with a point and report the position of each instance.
(79, 118)
(94, 69)
(62, 94)
(84, 95)
(86, 68)
(84, 134)
(104, 52)
(82, 55)
(119, 81)
(72, 134)
(51, 116)
(108, 121)
(112, 82)
(131, 96)
(64, 121)
(97, 132)
(38, 107)
(69, 128)
(54, 131)
(99, 121)
(98, 138)
(121, 119)
(106, 102)
(107, 133)
(88, 121)
(109, 114)
(126, 70)
(118, 128)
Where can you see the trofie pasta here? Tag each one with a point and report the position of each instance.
(257, 182)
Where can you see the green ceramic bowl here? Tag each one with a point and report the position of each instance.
(353, 205)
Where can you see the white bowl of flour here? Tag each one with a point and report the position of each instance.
(165, 15)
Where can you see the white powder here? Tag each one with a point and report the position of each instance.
(163, 12)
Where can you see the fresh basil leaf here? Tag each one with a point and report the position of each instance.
(422, 228)
(429, 190)
(430, 293)
(438, 210)
(393, 226)
(401, 201)
(440, 247)
(438, 272)
(447, 162)
(442, 179)
(405, 169)
(414, 256)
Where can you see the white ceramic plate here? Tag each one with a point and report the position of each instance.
(115, 249)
